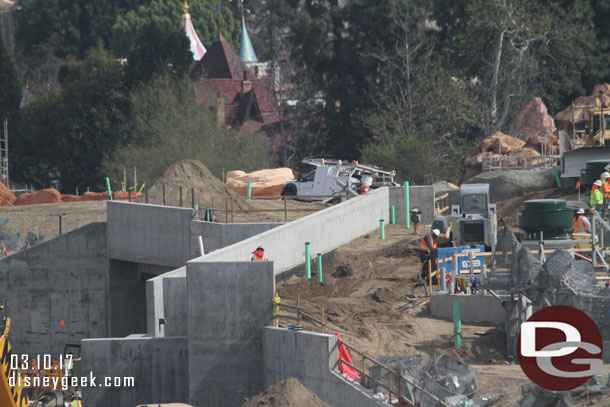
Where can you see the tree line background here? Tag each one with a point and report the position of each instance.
(410, 85)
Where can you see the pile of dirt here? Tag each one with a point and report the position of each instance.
(191, 175)
(508, 184)
(289, 393)
(7, 198)
(49, 195)
(268, 182)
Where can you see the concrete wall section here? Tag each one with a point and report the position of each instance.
(312, 359)
(157, 365)
(229, 303)
(326, 230)
(64, 279)
(218, 235)
(148, 233)
(481, 308)
(419, 196)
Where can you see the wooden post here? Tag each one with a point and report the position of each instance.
(181, 196)
(232, 210)
(285, 209)
(298, 308)
(60, 225)
(430, 277)
(226, 210)
(212, 210)
(129, 196)
(163, 194)
(323, 318)
(192, 197)
(390, 385)
(146, 195)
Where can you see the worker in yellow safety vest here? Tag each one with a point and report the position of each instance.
(581, 223)
(259, 255)
(75, 402)
(597, 199)
(428, 251)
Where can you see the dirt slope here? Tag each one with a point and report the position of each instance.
(289, 393)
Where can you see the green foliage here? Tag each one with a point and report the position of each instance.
(168, 125)
(10, 87)
(159, 49)
(72, 130)
(168, 13)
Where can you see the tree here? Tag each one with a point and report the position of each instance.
(9, 85)
(70, 131)
(168, 125)
(159, 48)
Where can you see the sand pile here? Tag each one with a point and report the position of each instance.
(49, 195)
(289, 393)
(7, 198)
(264, 182)
(191, 174)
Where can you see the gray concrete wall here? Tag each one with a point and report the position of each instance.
(311, 358)
(482, 308)
(150, 234)
(229, 303)
(63, 279)
(326, 230)
(419, 196)
(158, 366)
(218, 235)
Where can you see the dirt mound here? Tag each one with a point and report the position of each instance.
(7, 198)
(49, 195)
(508, 184)
(191, 174)
(289, 393)
(343, 270)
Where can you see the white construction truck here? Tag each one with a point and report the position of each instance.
(337, 177)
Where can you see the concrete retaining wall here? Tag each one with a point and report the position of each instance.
(64, 279)
(218, 235)
(229, 303)
(481, 308)
(150, 234)
(419, 196)
(326, 230)
(158, 366)
(312, 359)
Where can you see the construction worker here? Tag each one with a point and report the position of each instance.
(428, 251)
(75, 402)
(605, 178)
(581, 223)
(259, 255)
(596, 201)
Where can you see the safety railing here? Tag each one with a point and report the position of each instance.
(518, 162)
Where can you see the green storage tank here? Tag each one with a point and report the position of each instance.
(547, 215)
(592, 172)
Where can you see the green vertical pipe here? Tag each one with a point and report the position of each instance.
(207, 215)
(249, 189)
(381, 229)
(457, 325)
(407, 208)
(307, 260)
(196, 211)
(393, 215)
(108, 186)
(319, 267)
(557, 176)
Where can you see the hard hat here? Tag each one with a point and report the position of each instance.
(436, 232)
(606, 175)
(258, 249)
(580, 211)
(598, 183)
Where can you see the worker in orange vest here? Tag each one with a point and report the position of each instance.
(581, 223)
(259, 255)
(428, 251)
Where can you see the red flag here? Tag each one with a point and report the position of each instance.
(63, 323)
(344, 356)
(577, 184)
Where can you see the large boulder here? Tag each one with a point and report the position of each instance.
(507, 184)
(532, 119)
(264, 182)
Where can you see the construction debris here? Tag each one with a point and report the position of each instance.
(263, 182)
